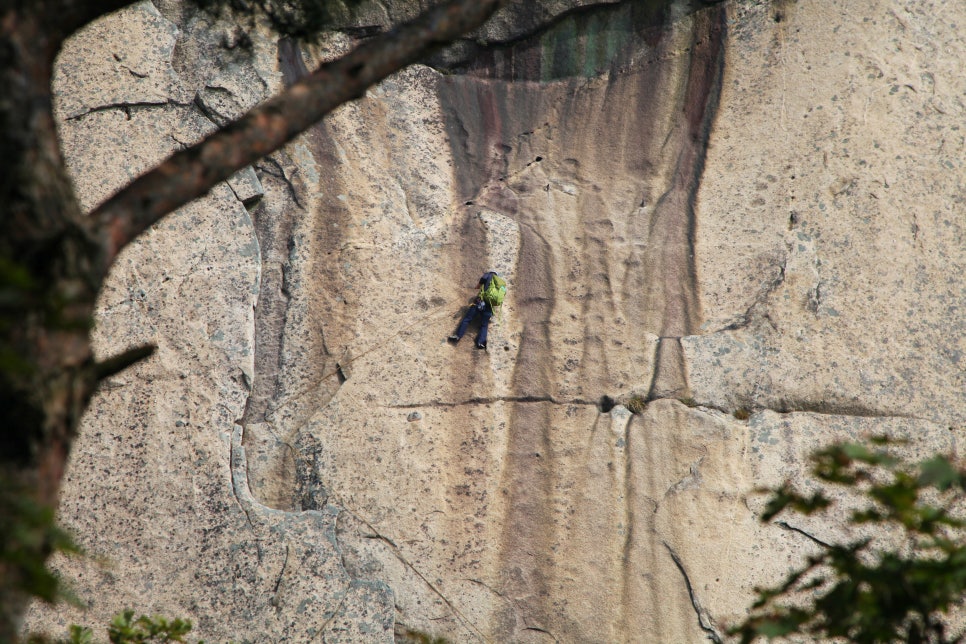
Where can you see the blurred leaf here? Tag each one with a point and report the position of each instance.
(939, 473)
(28, 535)
(860, 594)
(784, 497)
(124, 629)
(81, 635)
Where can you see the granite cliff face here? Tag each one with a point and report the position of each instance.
(754, 206)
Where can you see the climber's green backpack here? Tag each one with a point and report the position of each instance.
(494, 293)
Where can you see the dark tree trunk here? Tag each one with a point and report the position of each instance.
(47, 290)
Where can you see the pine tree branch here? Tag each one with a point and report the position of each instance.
(192, 172)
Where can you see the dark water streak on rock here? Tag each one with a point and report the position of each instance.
(653, 122)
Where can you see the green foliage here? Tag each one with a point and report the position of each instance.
(28, 534)
(124, 629)
(859, 592)
(78, 635)
(17, 288)
(81, 635)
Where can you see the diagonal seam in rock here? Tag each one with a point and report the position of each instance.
(705, 621)
(537, 629)
(396, 551)
(335, 613)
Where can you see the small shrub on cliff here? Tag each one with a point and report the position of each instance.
(742, 413)
(406, 635)
(124, 629)
(856, 591)
(636, 405)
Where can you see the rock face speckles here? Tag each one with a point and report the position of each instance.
(751, 206)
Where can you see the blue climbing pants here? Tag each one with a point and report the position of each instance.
(486, 312)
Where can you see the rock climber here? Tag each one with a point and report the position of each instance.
(492, 291)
